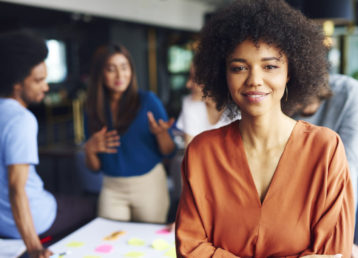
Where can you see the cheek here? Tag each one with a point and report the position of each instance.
(107, 78)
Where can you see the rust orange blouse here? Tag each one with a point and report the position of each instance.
(308, 208)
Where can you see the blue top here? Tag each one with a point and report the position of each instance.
(340, 113)
(18, 145)
(138, 152)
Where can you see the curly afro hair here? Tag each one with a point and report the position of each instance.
(275, 23)
(20, 51)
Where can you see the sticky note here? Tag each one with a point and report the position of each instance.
(134, 254)
(103, 248)
(115, 235)
(136, 242)
(91, 256)
(163, 231)
(160, 244)
(75, 244)
(171, 253)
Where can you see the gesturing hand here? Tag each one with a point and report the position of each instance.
(160, 126)
(103, 141)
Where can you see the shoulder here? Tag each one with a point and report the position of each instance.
(149, 98)
(317, 136)
(214, 137)
(148, 95)
(17, 115)
(343, 84)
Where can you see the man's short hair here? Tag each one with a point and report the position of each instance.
(20, 51)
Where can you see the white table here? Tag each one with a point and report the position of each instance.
(128, 240)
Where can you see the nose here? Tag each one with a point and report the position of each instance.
(118, 73)
(254, 77)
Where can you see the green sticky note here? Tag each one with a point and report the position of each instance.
(134, 254)
(160, 244)
(75, 244)
(136, 241)
(171, 253)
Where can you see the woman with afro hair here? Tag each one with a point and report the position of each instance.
(265, 185)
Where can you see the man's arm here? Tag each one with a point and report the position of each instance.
(18, 175)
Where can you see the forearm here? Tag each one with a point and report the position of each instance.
(23, 219)
(165, 143)
(205, 249)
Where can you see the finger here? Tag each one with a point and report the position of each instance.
(112, 144)
(112, 132)
(151, 119)
(171, 122)
(162, 124)
(112, 137)
(103, 129)
(111, 150)
(166, 125)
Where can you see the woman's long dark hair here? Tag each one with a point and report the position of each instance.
(98, 94)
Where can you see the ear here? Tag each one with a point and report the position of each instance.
(17, 88)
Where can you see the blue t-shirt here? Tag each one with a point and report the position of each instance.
(18, 145)
(138, 152)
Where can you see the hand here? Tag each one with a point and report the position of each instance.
(160, 126)
(43, 253)
(103, 141)
(322, 256)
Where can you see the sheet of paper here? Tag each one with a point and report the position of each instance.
(11, 248)
(104, 238)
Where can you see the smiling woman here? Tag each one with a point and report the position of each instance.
(267, 185)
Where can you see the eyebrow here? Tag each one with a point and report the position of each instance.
(241, 60)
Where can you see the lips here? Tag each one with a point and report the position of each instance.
(255, 96)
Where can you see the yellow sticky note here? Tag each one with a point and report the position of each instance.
(134, 254)
(115, 235)
(160, 244)
(136, 242)
(75, 244)
(171, 253)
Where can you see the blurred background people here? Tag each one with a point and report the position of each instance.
(26, 208)
(199, 113)
(129, 137)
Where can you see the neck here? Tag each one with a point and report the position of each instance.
(266, 132)
(196, 97)
(19, 99)
(115, 97)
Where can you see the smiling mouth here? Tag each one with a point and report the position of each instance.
(255, 96)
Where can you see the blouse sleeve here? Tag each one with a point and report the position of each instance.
(333, 225)
(191, 238)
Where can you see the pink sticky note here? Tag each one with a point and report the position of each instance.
(163, 231)
(104, 248)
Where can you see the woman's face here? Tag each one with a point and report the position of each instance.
(117, 73)
(257, 77)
